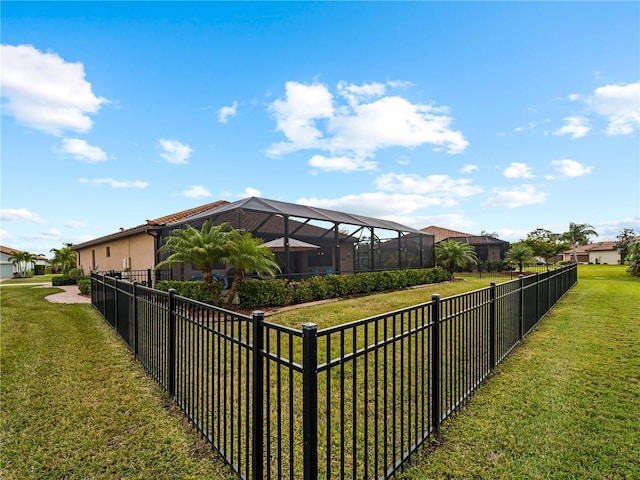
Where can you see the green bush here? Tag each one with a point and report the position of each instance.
(76, 273)
(84, 285)
(195, 290)
(59, 280)
(265, 293)
(276, 293)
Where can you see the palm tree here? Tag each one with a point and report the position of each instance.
(519, 254)
(578, 235)
(22, 261)
(451, 254)
(247, 254)
(204, 249)
(64, 258)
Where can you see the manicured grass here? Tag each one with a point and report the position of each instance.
(76, 405)
(34, 279)
(565, 404)
(328, 314)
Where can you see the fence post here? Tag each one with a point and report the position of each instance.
(257, 441)
(537, 297)
(436, 362)
(171, 351)
(310, 399)
(135, 318)
(521, 303)
(492, 325)
(115, 305)
(149, 282)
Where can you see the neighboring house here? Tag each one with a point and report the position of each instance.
(8, 269)
(488, 249)
(305, 240)
(599, 252)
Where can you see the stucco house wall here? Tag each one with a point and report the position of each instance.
(133, 252)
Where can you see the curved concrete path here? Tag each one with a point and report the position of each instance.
(71, 294)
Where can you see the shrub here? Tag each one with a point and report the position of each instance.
(84, 285)
(75, 273)
(265, 293)
(59, 280)
(195, 290)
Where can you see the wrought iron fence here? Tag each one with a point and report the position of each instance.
(351, 401)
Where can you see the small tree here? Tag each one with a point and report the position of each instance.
(546, 244)
(22, 260)
(451, 254)
(625, 239)
(578, 235)
(519, 254)
(204, 249)
(632, 260)
(247, 254)
(64, 258)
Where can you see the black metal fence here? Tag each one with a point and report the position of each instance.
(351, 401)
(147, 278)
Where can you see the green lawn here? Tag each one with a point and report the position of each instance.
(34, 279)
(76, 405)
(565, 404)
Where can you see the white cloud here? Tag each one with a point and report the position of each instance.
(225, 112)
(75, 224)
(620, 104)
(45, 92)
(378, 204)
(251, 192)
(431, 184)
(196, 191)
(19, 215)
(573, 97)
(175, 152)
(517, 197)
(46, 235)
(469, 168)
(342, 164)
(571, 168)
(518, 170)
(311, 118)
(97, 182)
(576, 126)
(81, 150)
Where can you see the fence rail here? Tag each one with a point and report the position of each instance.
(350, 401)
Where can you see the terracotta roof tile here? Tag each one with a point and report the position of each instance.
(176, 217)
(440, 233)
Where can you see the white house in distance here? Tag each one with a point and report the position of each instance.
(598, 253)
(8, 269)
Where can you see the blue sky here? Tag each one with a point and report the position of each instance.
(503, 117)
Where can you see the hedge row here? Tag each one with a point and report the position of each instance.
(279, 293)
(195, 289)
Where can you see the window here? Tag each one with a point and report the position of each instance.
(108, 251)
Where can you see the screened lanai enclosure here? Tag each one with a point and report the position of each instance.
(310, 241)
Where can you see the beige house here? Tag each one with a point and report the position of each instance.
(488, 249)
(598, 253)
(131, 249)
(306, 241)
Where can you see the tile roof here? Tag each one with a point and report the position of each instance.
(440, 233)
(176, 217)
(7, 250)
(157, 222)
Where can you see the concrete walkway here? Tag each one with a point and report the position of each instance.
(71, 293)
